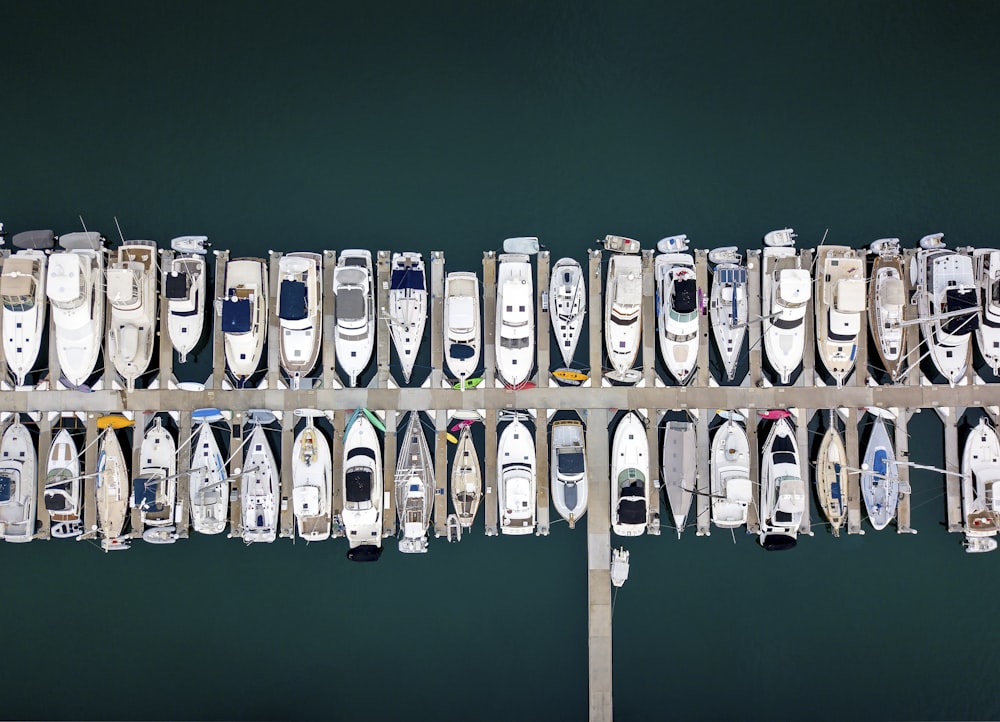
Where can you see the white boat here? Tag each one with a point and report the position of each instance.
(63, 488)
(300, 313)
(887, 297)
(679, 468)
(880, 477)
(831, 479)
(569, 471)
(516, 479)
(677, 313)
(259, 489)
(154, 491)
(840, 302)
(568, 301)
(987, 265)
(355, 311)
(623, 316)
(947, 305)
(75, 287)
(362, 491)
(981, 488)
(782, 491)
(673, 244)
(208, 485)
(22, 291)
(630, 490)
(527, 245)
(515, 328)
(244, 317)
(18, 476)
(184, 288)
(112, 492)
(414, 484)
(312, 483)
(466, 479)
(619, 567)
(728, 306)
(785, 291)
(131, 289)
(461, 324)
(407, 308)
(730, 476)
(620, 244)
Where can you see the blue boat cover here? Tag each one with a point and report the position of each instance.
(962, 299)
(236, 315)
(6, 487)
(632, 511)
(782, 450)
(461, 351)
(145, 492)
(879, 463)
(571, 462)
(406, 280)
(292, 301)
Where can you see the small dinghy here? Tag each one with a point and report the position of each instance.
(620, 244)
(521, 244)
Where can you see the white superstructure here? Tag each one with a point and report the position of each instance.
(630, 482)
(244, 317)
(355, 310)
(623, 315)
(515, 328)
(75, 287)
(516, 479)
(132, 301)
(568, 306)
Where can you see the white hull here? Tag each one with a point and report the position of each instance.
(981, 487)
(515, 329)
(987, 263)
(131, 290)
(785, 291)
(185, 284)
(22, 291)
(208, 486)
(569, 471)
(945, 283)
(300, 309)
(63, 488)
(158, 464)
(75, 288)
(259, 490)
(414, 486)
(880, 484)
(630, 482)
(407, 308)
(362, 485)
(887, 298)
(516, 479)
(112, 491)
(840, 303)
(312, 483)
(568, 304)
(782, 490)
(244, 317)
(461, 324)
(730, 476)
(677, 314)
(831, 479)
(623, 312)
(355, 310)
(466, 480)
(728, 313)
(18, 476)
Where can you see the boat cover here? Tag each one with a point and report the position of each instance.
(90, 241)
(739, 490)
(795, 286)
(144, 495)
(6, 487)
(18, 277)
(783, 450)
(791, 496)
(292, 304)
(306, 500)
(406, 280)
(570, 462)
(892, 292)
(632, 511)
(351, 304)
(64, 277)
(56, 499)
(850, 296)
(880, 464)
(460, 312)
(461, 351)
(236, 315)
(364, 553)
(571, 495)
(176, 286)
(961, 299)
(41, 240)
(123, 286)
(685, 295)
(359, 485)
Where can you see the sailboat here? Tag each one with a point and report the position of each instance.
(312, 482)
(981, 488)
(987, 266)
(623, 316)
(362, 491)
(568, 298)
(208, 485)
(112, 492)
(244, 317)
(22, 292)
(461, 324)
(155, 488)
(259, 489)
(75, 287)
(184, 287)
(516, 479)
(782, 491)
(515, 326)
(677, 310)
(887, 296)
(131, 289)
(63, 492)
(679, 469)
(831, 478)
(407, 308)
(630, 490)
(728, 306)
(840, 301)
(466, 479)
(730, 475)
(355, 328)
(18, 476)
(300, 313)
(414, 487)
(786, 289)
(569, 471)
(880, 477)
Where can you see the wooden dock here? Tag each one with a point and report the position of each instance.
(599, 646)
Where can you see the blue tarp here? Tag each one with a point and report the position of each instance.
(6, 487)
(879, 465)
(461, 351)
(292, 301)
(236, 315)
(571, 462)
(403, 279)
(145, 492)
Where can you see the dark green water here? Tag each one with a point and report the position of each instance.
(452, 126)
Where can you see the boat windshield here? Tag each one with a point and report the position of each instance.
(514, 343)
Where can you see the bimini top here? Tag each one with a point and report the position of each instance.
(632, 511)
(686, 295)
(893, 293)
(176, 286)
(404, 279)
(570, 462)
(236, 315)
(351, 304)
(292, 301)
(850, 294)
(461, 312)
(796, 286)
(31, 240)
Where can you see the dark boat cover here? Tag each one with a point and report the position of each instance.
(292, 301)
(145, 492)
(961, 299)
(685, 295)
(351, 304)
(571, 462)
(359, 485)
(783, 450)
(236, 315)
(364, 553)
(571, 494)
(176, 285)
(360, 451)
(41, 240)
(6, 487)
(54, 501)
(461, 351)
(407, 280)
(632, 511)
(778, 542)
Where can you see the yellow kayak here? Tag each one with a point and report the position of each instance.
(113, 421)
(570, 376)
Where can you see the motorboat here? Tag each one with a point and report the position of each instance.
(886, 300)
(466, 479)
(515, 328)
(362, 490)
(407, 308)
(679, 467)
(831, 478)
(355, 311)
(22, 292)
(521, 244)
(840, 303)
(630, 483)
(947, 304)
(569, 470)
(259, 489)
(732, 490)
(782, 491)
(728, 306)
(785, 291)
(154, 491)
(63, 488)
(184, 287)
(620, 244)
(568, 301)
(244, 317)
(623, 316)
(312, 482)
(18, 476)
(516, 479)
(677, 313)
(75, 287)
(414, 484)
(880, 477)
(112, 492)
(300, 313)
(131, 289)
(981, 488)
(461, 324)
(208, 483)
(987, 266)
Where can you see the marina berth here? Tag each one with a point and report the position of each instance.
(568, 301)
(630, 482)
(63, 488)
(568, 463)
(679, 476)
(887, 297)
(244, 317)
(462, 327)
(728, 306)
(361, 490)
(677, 310)
(132, 305)
(840, 301)
(208, 482)
(880, 477)
(981, 488)
(515, 324)
(623, 316)
(786, 288)
(18, 477)
(831, 478)
(731, 485)
(299, 310)
(112, 491)
(782, 491)
(154, 490)
(184, 288)
(466, 479)
(312, 482)
(75, 289)
(407, 308)
(516, 480)
(355, 323)
(414, 484)
(22, 292)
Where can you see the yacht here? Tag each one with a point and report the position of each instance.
(886, 299)
(312, 482)
(880, 477)
(623, 316)
(728, 306)
(155, 488)
(680, 474)
(840, 301)
(112, 492)
(677, 313)
(355, 329)
(947, 304)
(209, 484)
(987, 265)
(63, 488)
(782, 491)
(730, 475)
(131, 288)
(244, 317)
(515, 329)
(466, 479)
(785, 291)
(568, 300)
(407, 308)
(414, 487)
(629, 477)
(300, 313)
(516, 479)
(981, 488)
(831, 478)
(18, 476)
(569, 471)
(22, 291)
(362, 490)
(75, 287)
(461, 324)
(184, 288)
(259, 489)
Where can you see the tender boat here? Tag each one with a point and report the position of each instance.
(355, 310)
(515, 329)
(22, 291)
(209, 484)
(516, 479)
(184, 288)
(840, 302)
(466, 479)
(131, 288)
(312, 483)
(18, 476)
(461, 324)
(521, 244)
(568, 299)
(782, 491)
(730, 475)
(679, 467)
(414, 487)
(728, 306)
(155, 488)
(831, 479)
(259, 489)
(786, 289)
(630, 489)
(677, 313)
(112, 492)
(300, 313)
(63, 488)
(362, 491)
(981, 488)
(620, 244)
(75, 287)
(244, 317)
(407, 308)
(569, 471)
(623, 316)
(880, 477)
(886, 299)
(987, 265)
